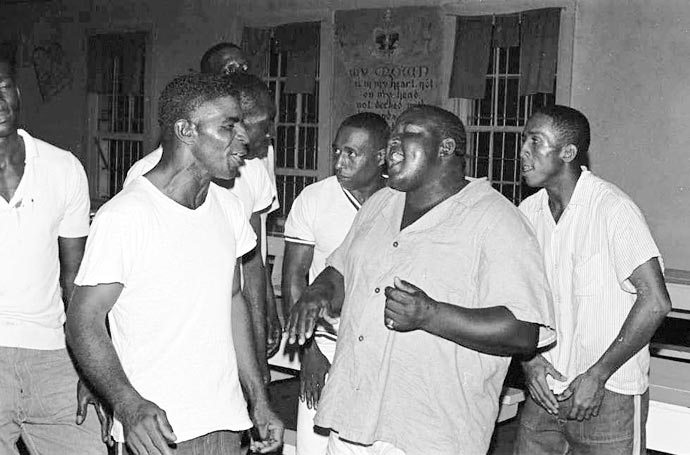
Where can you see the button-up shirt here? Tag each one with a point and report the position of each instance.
(599, 240)
(417, 391)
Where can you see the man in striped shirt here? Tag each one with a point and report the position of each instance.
(588, 393)
(317, 223)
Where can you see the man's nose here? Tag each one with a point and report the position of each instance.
(339, 161)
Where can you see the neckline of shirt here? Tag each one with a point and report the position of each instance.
(156, 192)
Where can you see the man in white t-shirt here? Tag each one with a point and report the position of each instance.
(589, 392)
(255, 187)
(161, 264)
(44, 220)
(318, 221)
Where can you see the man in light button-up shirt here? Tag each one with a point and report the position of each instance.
(442, 281)
(588, 394)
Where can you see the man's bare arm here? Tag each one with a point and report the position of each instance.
(296, 262)
(255, 294)
(146, 427)
(270, 428)
(493, 330)
(648, 312)
(71, 251)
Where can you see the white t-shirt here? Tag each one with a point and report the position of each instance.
(321, 216)
(171, 325)
(269, 161)
(52, 201)
(253, 186)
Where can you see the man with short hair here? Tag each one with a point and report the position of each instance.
(44, 220)
(442, 281)
(317, 223)
(224, 58)
(589, 392)
(162, 262)
(255, 186)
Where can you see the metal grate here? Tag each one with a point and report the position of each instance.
(495, 124)
(119, 126)
(296, 141)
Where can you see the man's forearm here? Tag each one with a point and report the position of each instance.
(243, 340)
(255, 294)
(329, 286)
(97, 360)
(489, 330)
(639, 327)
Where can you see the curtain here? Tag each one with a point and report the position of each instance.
(539, 50)
(301, 42)
(256, 45)
(128, 49)
(536, 32)
(471, 57)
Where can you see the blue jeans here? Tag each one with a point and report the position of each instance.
(38, 401)
(619, 429)
(215, 443)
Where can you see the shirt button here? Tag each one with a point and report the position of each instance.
(361, 338)
(395, 244)
(377, 290)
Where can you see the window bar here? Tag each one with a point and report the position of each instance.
(298, 121)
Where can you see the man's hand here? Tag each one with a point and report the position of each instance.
(146, 427)
(536, 370)
(587, 391)
(84, 399)
(312, 376)
(407, 306)
(267, 435)
(304, 315)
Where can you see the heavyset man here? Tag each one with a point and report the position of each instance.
(162, 261)
(317, 223)
(442, 281)
(44, 220)
(588, 394)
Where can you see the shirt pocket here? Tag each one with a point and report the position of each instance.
(586, 274)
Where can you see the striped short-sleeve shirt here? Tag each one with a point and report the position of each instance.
(599, 240)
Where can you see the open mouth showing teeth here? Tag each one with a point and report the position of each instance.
(526, 168)
(395, 158)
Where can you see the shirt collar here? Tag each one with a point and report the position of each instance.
(580, 194)
(30, 147)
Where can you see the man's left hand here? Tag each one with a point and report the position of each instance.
(587, 391)
(407, 307)
(268, 430)
(86, 398)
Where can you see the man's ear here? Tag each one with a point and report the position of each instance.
(184, 131)
(447, 147)
(568, 153)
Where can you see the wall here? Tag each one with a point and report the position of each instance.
(630, 76)
(181, 30)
